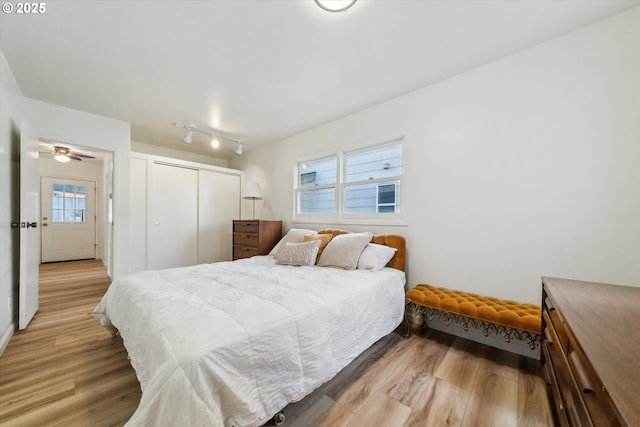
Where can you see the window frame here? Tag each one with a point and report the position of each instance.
(339, 216)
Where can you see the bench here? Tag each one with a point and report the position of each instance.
(511, 319)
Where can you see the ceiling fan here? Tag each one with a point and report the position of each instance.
(64, 154)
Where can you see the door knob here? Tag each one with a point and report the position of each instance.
(15, 224)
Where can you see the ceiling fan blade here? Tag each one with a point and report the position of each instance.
(86, 156)
(74, 157)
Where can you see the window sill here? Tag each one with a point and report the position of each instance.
(387, 222)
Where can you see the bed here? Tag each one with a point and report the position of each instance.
(232, 343)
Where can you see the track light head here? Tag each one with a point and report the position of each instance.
(239, 150)
(187, 137)
(215, 143)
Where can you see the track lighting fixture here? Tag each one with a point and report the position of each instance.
(215, 136)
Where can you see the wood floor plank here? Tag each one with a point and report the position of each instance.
(441, 404)
(460, 366)
(418, 365)
(533, 405)
(493, 401)
(325, 412)
(381, 410)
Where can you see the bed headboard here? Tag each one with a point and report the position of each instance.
(392, 240)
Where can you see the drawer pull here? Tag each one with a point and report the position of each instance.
(548, 336)
(548, 304)
(581, 375)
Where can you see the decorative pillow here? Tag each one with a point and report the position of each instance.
(298, 253)
(344, 250)
(324, 240)
(375, 257)
(294, 235)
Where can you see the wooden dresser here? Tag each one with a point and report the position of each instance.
(591, 352)
(255, 237)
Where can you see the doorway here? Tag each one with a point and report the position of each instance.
(68, 209)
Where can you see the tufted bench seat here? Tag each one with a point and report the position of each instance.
(492, 315)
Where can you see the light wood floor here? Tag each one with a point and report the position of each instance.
(66, 370)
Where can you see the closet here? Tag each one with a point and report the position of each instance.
(181, 212)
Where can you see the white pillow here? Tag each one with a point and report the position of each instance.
(299, 253)
(375, 257)
(294, 235)
(344, 250)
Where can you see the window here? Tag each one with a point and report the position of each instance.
(368, 184)
(69, 203)
(317, 186)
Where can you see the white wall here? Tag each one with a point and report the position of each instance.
(525, 167)
(10, 116)
(79, 128)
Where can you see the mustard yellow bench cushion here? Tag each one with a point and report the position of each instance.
(526, 317)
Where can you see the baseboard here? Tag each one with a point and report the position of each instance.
(6, 337)
(515, 346)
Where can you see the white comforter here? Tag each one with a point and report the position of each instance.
(232, 343)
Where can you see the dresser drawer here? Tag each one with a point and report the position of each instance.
(554, 317)
(246, 226)
(571, 397)
(548, 371)
(246, 239)
(244, 252)
(589, 387)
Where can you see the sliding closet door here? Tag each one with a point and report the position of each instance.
(219, 204)
(173, 217)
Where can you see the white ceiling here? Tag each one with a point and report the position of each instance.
(262, 70)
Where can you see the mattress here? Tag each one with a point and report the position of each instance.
(232, 343)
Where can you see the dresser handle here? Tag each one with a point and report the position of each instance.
(548, 304)
(581, 375)
(548, 324)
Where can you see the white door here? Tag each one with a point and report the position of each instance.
(68, 209)
(29, 232)
(173, 217)
(218, 205)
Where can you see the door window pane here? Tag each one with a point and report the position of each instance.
(68, 203)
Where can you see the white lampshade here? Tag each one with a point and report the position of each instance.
(252, 191)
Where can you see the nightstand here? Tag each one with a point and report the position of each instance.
(255, 237)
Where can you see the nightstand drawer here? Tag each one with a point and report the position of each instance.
(244, 252)
(246, 239)
(246, 226)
